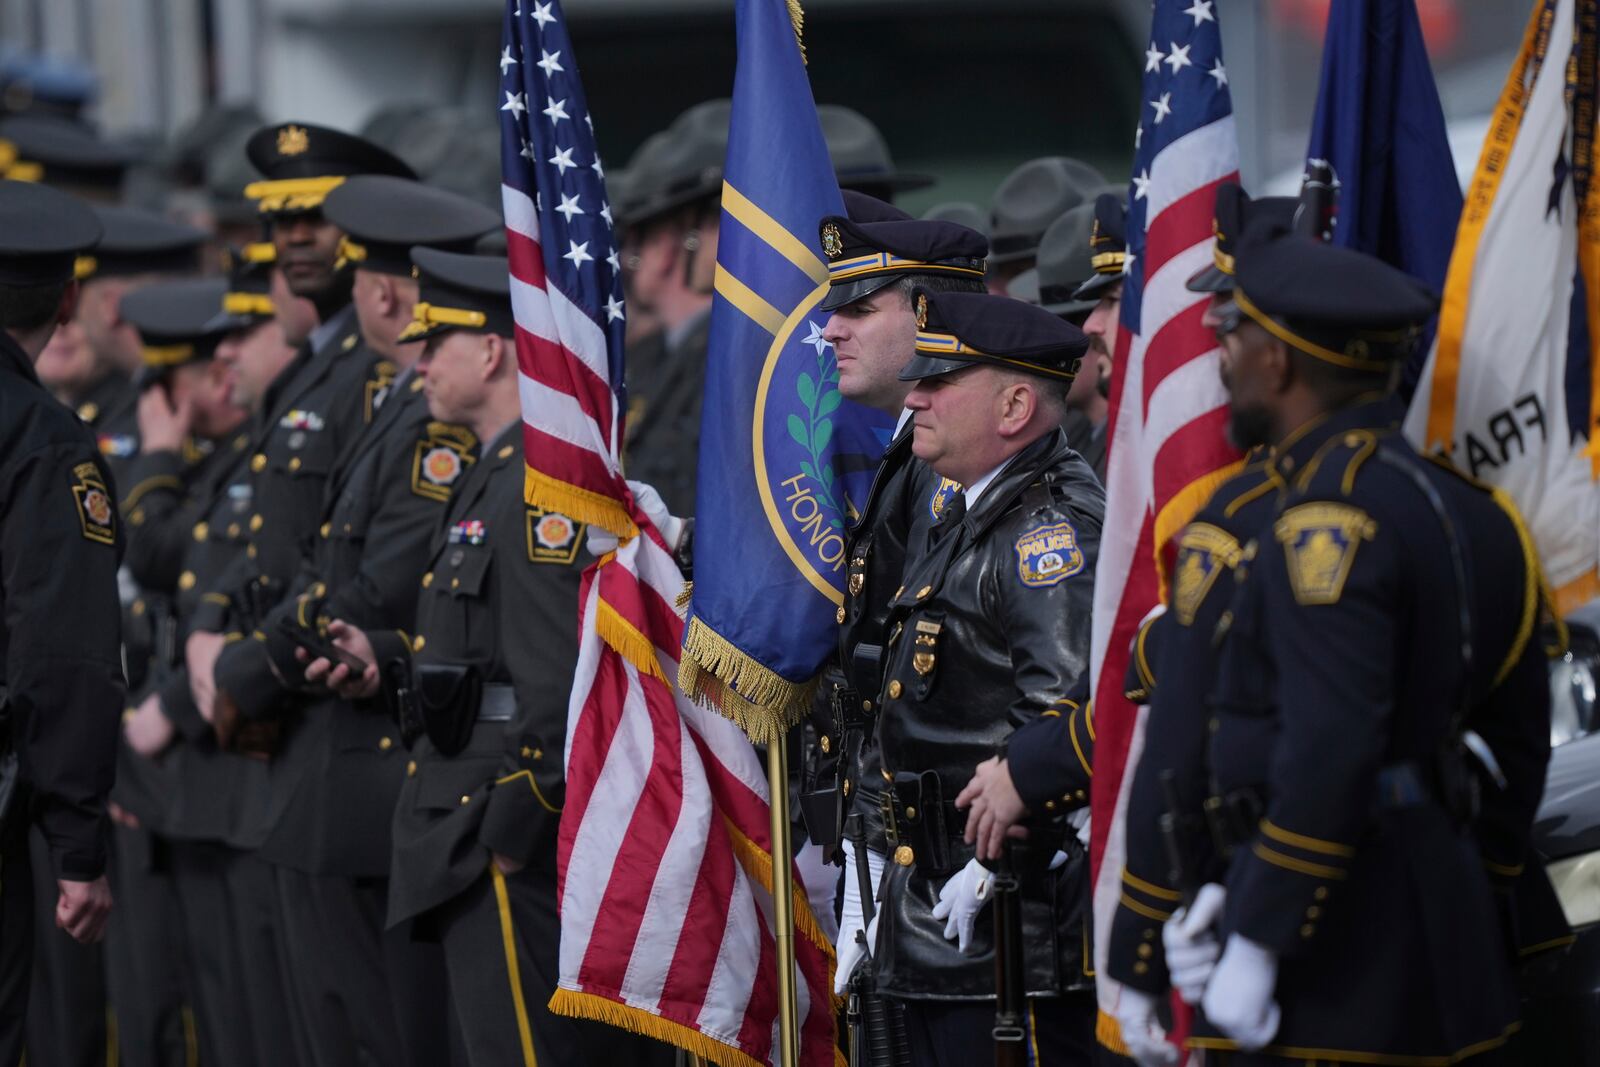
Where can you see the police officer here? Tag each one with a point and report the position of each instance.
(877, 258)
(479, 684)
(340, 764)
(63, 681)
(1381, 717)
(989, 630)
(1030, 198)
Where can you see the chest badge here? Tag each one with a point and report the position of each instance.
(1203, 552)
(1319, 548)
(302, 420)
(1047, 555)
(924, 650)
(467, 532)
(443, 453)
(117, 445)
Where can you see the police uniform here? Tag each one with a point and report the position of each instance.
(63, 681)
(989, 630)
(340, 765)
(1389, 610)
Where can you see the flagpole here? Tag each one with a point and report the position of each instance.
(783, 900)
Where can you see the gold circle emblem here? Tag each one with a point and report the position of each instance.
(904, 856)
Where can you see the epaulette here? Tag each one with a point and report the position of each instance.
(1337, 463)
(1253, 482)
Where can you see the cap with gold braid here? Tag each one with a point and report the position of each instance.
(64, 153)
(878, 244)
(1108, 247)
(384, 217)
(247, 299)
(1234, 212)
(460, 292)
(960, 330)
(303, 163)
(42, 232)
(136, 241)
(177, 323)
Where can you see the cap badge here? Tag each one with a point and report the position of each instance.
(293, 140)
(922, 311)
(832, 243)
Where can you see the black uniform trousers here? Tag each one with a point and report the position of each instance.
(68, 1006)
(959, 1033)
(16, 938)
(145, 975)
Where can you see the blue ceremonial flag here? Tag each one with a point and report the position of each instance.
(782, 454)
(1379, 125)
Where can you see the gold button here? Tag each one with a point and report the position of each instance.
(411, 769)
(258, 462)
(1313, 912)
(186, 580)
(1149, 935)
(200, 531)
(455, 583)
(427, 579)
(250, 551)
(348, 527)
(526, 752)
(847, 787)
(866, 705)
(256, 522)
(1049, 805)
(902, 589)
(505, 453)
(895, 689)
(1307, 930)
(385, 744)
(1141, 967)
(886, 775)
(1146, 951)
(233, 529)
(911, 813)
(904, 856)
(417, 643)
(318, 589)
(924, 591)
(465, 799)
(538, 754)
(294, 463)
(137, 517)
(1320, 893)
(839, 615)
(824, 744)
(327, 528)
(137, 607)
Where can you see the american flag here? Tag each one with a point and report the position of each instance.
(664, 861)
(1168, 409)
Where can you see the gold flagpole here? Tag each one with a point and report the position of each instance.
(783, 900)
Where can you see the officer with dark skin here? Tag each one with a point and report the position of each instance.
(59, 628)
(480, 685)
(1381, 707)
(340, 766)
(989, 630)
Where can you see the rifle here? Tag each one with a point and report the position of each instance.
(1010, 986)
(877, 1026)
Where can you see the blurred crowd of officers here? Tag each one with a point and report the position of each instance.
(266, 566)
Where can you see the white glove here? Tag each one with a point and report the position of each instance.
(960, 900)
(847, 947)
(599, 540)
(1238, 998)
(1078, 819)
(1142, 1034)
(655, 508)
(1191, 942)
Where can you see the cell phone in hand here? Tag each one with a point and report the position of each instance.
(320, 647)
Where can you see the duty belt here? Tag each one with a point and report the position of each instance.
(922, 828)
(1234, 818)
(498, 704)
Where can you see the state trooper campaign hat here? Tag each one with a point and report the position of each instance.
(1031, 198)
(177, 323)
(302, 163)
(384, 217)
(1235, 212)
(958, 330)
(136, 241)
(247, 300)
(962, 213)
(460, 292)
(860, 155)
(1108, 247)
(678, 166)
(863, 257)
(62, 152)
(1342, 306)
(1064, 264)
(43, 231)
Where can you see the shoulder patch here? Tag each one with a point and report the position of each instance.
(941, 496)
(440, 457)
(1319, 547)
(552, 537)
(1203, 551)
(1048, 554)
(95, 513)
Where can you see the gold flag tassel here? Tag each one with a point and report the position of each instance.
(716, 674)
(797, 15)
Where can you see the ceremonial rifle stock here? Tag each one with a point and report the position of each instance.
(1011, 994)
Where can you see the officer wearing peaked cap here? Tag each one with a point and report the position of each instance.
(63, 153)
(478, 682)
(341, 764)
(62, 676)
(989, 631)
(1381, 719)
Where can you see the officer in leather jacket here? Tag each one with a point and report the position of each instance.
(988, 631)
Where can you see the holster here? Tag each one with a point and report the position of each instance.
(916, 815)
(448, 695)
(403, 697)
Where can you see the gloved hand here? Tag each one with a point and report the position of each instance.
(1079, 821)
(1238, 998)
(655, 508)
(847, 947)
(1191, 942)
(1142, 1034)
(599, 540)
(960, 900)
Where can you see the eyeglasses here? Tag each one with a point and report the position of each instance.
(1228, 316)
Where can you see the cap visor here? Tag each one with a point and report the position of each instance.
(849, 292)
(419, 332)
(1096, 286)
(227, 322)
(1209, 279)
(923, 366)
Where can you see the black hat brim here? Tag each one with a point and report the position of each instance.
(1210, 279)
(227, 322)
(1070, 308)
(925, 366)
(892, 180)
(839, 296)
(1093, 288)
(661, 205)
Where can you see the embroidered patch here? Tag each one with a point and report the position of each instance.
(443, 453)
(468, 532)
(1319, 547)
(119, 445)
(941, 496)
(95, 512)
(1048, 554)
(552, 537)
(1203, 551)
(301, 420)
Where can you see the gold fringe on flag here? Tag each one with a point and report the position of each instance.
(797, 15)
(757, 864)
(1109, 1034)
(629, 643)
(715, 674)
(539, 490)
(1184, 505)
(580, 1005)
